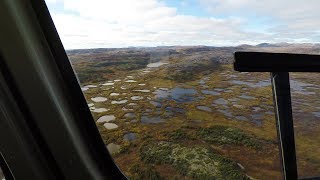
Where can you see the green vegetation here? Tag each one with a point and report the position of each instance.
(178, 135)
(181, 76)
(148, 173)
(227, 135)
(196, 162)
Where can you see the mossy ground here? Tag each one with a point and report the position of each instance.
(188, 145)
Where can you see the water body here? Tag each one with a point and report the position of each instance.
(132, 104)
(157, 64)
(99, 99)
(177, 94)
(130, 81)
(119, 102)
(125, 109)
(234, 99)
(110, 125)
(106, 118)
(263, 83)
(221, 101)
(204, 108)
(84, 89)
(90, 86)
(301, 88)
(175, 109)
(136, 98)
(142, 90)
(257, 116)
(151, 120)
(316, 114)
(208, 92)
(114, 94)
(256, 109)
(108, 84)
(241, 118)
(156, 104)
(113, 148)
(218, 89)
(226, 113)
(246, 97)
(100, 110)
(130, 115)
(130, 137)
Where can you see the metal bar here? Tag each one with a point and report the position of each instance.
(284, 120)
(276, 62)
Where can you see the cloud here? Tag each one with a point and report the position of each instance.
(122, 23)
(289, 19)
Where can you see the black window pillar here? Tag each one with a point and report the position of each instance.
(280, 64)
(283, 111)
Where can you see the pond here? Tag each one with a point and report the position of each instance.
(119, 102)
(130, 81)
(177, 94)
(151, 120)
(99, 110)
(136, 98)
(156, 104)
(246, 97)
(106, 118)
(113, 148)
(300, 87)
(110, 125)
(129, 115)
(142, 90)
(157, 64)
(114, 94)
(204, 108)
(84, 89)
(220, 101)
(130, 136)
(99, 99)
(208, 92)
(108, 84)
(263, 83)
(90, 86)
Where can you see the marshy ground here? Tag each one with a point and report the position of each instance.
(187, 115)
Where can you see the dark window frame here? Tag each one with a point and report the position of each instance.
(279, 65)
(52, 164)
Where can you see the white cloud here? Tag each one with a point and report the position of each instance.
(291, 19)
(121, 23)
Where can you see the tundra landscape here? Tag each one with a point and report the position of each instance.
(182, 112)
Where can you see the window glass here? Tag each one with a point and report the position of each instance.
(159, 80)
(1, 175)
(306, 115)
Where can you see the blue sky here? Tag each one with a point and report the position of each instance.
(123, 23)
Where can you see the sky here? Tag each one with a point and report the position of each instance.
(85, 24)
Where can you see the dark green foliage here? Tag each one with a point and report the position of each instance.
(181, 76)
(156, 154)
(227, 135)
(182, 166)
(148, 173)
(197, 162)
(93, 75)
(178, 135)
